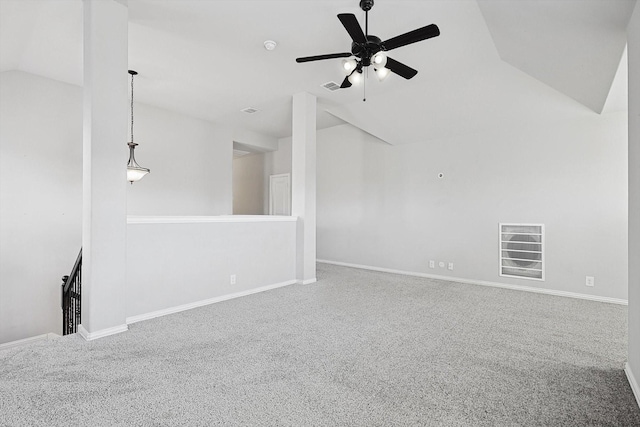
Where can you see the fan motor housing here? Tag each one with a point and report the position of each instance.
(367, 50)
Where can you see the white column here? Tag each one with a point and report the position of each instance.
(633, 55)
(104, 168)
(303, 184)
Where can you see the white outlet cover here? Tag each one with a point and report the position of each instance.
(591, 281)
(450, 266)
(432, 264)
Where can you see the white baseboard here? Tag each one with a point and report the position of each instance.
(89, 336)
(632, 382)
(25, 341)
(307, 282)
(179, 308)
(483, 283)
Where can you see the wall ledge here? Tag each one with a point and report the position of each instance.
(205, 219)
(484, 283)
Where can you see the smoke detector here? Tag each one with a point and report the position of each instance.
(270, 45)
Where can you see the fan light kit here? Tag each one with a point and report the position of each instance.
(371, 50)
(135, 172)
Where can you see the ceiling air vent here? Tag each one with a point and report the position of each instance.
(522, 251)
(240, 153)
(249, 110)
(331, 86)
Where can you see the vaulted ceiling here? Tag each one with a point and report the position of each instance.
(495, 61)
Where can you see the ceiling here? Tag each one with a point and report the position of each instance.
(495, 61)
(573, 46)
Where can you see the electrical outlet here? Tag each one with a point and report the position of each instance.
(591, 281)
(232, 280)
(432, 264)
(441, 264)
(450, 266)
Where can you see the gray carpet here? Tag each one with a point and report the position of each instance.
(358, 348)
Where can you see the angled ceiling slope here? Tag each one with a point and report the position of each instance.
(574, 46)
(466, 82)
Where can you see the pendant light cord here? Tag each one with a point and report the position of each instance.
(364, 84)
(131, 107)
(365, 74)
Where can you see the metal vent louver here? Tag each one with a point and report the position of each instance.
(522, 251)
(240, 153)
(331, 86)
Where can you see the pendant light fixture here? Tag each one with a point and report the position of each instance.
(135, 172)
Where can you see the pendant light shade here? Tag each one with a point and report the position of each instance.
(135, 172)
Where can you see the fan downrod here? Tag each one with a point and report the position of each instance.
(366, 5)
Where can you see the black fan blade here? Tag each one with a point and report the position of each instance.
(411, 37)
(319, 57)
(352, 26)
(400, 69)
(345, 83)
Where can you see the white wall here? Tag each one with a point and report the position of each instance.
(248, 185)
(634, 195)
(202, 256)
(41, 188)
(255, 140)
(40, 200)
(384, 206)
(275, 163)
(190, 161)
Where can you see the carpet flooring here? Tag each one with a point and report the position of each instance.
(357, 348)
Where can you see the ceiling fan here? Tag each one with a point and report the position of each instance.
(370, 50)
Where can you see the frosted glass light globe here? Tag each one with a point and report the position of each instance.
(382, 73)
(136, 174)
(355, 78)
(349, 65)
(379, 59)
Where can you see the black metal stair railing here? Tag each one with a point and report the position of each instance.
(71, 298)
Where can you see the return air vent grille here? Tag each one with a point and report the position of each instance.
(331, 86)
(522, 251)
(239, 153)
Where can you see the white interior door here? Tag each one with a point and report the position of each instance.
(280, 194)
